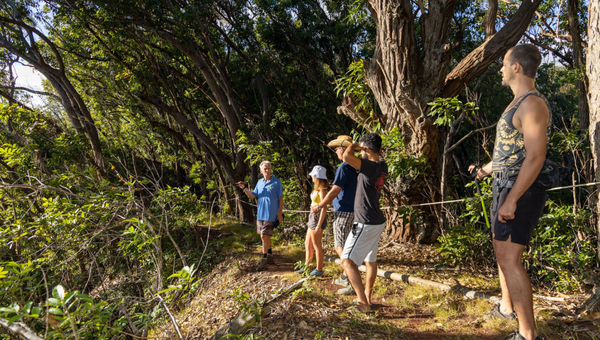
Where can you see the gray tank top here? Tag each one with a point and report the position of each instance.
(509, 147)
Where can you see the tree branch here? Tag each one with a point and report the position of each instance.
(468, 135)
(493, 48)
(490, 18)
(555, 51)
(39, 34)
(42, 93)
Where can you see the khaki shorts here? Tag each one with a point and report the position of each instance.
(265, 227)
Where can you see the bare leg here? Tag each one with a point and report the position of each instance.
(308, 247)
(316, 237)
(356, 281)
(508, 255)
(339, 250)
(370, 280)
(506, 306)
(266, 243)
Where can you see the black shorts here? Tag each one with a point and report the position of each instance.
(529, 209)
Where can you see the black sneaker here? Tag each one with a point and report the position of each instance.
(517, 336)
(496, 313)
(270, 259)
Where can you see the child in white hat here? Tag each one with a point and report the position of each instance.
(316, 222)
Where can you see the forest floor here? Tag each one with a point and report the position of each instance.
(402, 311)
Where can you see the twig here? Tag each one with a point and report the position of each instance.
(162, 303)
(469, 134)
(207, 233)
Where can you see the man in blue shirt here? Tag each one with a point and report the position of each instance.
(269, 195)
(342, 194)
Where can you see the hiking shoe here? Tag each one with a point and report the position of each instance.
(261, 264)
(342, 281)
(316, 272)
(517, 336)
(346, 291)
(270, 259)
(495, 313)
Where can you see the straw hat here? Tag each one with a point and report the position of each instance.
(340, 141)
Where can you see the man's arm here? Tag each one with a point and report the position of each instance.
(245, 189)
(333, 192)
(350, 158)
(533, 118)
(482, 172)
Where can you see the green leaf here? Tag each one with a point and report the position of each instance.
(59, 292)
(7, 310)
(27, 307)
(56, 311)
(53, 302)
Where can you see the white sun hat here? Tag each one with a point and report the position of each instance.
(318, 172)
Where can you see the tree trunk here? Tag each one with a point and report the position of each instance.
(25, 46)
(578, 64)
(404, 76)
(593, 73)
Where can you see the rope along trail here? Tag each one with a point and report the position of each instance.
(431, 203)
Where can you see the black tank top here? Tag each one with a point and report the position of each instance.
(509, 147)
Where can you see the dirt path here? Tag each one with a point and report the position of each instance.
(401, 312)
(315, 311)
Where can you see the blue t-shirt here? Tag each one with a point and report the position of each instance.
(345, 178)
(267, 196)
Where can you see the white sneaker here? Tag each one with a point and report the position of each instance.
(340, 281)
(346, 291)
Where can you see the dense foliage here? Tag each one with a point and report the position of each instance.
(103, 233)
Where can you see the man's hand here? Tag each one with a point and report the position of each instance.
(241, 185)
(507, 211)
(314, 209)
(480, 173)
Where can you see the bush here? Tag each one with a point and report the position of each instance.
(562, 250)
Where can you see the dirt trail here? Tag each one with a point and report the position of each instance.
(316, 312)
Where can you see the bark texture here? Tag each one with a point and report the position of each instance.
(593, 73)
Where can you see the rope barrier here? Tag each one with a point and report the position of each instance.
(430, 203)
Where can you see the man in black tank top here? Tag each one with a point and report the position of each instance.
(519, 155)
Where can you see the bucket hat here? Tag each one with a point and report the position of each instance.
(318, 172)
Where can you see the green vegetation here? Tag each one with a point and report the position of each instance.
(117, 194)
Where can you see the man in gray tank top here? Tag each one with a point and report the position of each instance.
(519, 155)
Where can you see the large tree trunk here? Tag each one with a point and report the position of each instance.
(578, 64)
(404, 76)
(593, 73)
